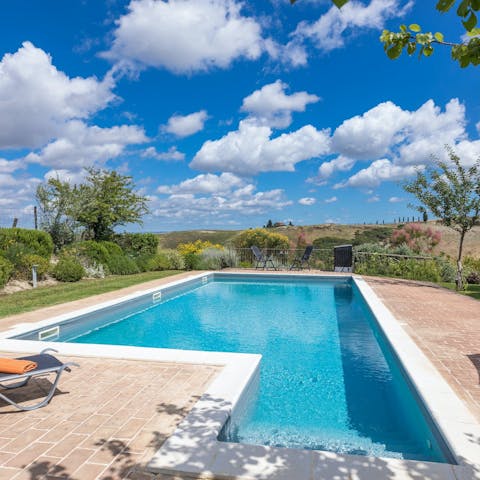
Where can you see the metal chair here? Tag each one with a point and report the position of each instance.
(300, 262)
(261, 259)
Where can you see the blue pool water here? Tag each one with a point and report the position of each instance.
(328, 380)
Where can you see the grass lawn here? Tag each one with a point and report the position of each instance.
(470, 290)
(29, 300)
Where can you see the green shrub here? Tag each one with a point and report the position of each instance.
(192, 261)
(34, 241)
(137, 244)
(175, 260)
(6, 270)
(89, 250)
(211, 259)
(330, 242)
(23, 269)
(112, 248)
(122, 265)
(372, 235)
(68, 270)
(158, 262)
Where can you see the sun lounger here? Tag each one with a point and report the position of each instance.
(46, 364)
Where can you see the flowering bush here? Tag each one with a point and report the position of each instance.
(196, 247)
(418, 239)
(262, 239)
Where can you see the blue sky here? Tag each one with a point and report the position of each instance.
(229, 113)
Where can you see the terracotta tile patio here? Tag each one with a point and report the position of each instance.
(106, 420)
(445, 325)
(108, 417)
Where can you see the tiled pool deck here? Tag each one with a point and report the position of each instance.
(109, 417)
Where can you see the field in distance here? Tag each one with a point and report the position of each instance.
(448, 244)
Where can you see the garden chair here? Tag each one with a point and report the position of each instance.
(46, 364)
(261, 259)
(303, 261)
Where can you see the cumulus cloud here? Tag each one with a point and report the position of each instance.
(379, 171)
(185, 36)
(37, 99)
(204, 183)
(371, 134)
(330, 30)
(223, 206)
(398, 140)
(331, 200)
(172, 154)
(327, 169)
(271, 106)
(395, 199)
(307, 201)
(10, 166)
(373, 199)
(81, 146)
(185, 125)
(250, 150)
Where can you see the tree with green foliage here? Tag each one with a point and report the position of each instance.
(55, 201)
(107, 200)
(411, 38)
(452, 193)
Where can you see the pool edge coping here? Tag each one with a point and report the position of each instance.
(193, 448)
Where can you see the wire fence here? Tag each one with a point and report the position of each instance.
(320, 259)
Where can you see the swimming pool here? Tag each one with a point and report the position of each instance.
(328, 381)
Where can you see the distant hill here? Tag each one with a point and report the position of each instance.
(448, 244)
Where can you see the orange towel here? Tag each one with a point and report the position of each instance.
(11, 365)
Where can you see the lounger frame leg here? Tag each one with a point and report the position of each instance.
(65, 366)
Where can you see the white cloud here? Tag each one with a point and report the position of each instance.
(478, 127)
(331, 200)
(10, 166)
(378, 171)
(373, 199)
(205, 183)
(271, 106)
(307, 201)
(327, 169)
(172, 154)
(223, 206)
(372, 134)
(37, 99)
(81, 146)
(185, 36)
(329, 31)
(395, 199)
(399, 140)
(185, 125)
(250, 150)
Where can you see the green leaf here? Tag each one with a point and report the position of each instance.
(444, 5)
(428, 50)
(403, 28)
(463, 8)
(340, 3)
(415, 27)
(394, 52)
(475, 4)
(474, 32)
(471, 22)
(411, 47)
(438, 36)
